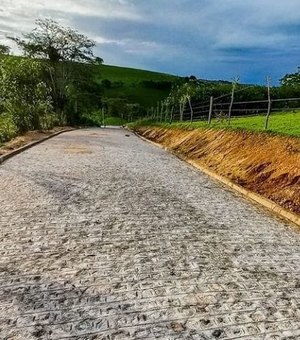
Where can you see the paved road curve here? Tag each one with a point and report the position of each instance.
(104, 236)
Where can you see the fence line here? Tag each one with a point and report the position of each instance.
(207, 110)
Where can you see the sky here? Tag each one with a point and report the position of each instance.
(211, 39)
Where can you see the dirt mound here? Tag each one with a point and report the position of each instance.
(268, 165)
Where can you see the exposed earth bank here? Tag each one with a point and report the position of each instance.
(268, 165)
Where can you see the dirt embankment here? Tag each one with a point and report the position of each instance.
(268, 165)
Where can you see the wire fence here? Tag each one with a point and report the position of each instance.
(217, 108)
(238, 109)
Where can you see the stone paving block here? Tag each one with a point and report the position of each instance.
(125, 241)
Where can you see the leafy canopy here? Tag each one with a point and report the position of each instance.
(50, 40)
(292, 80)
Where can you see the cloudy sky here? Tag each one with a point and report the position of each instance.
(214, 39)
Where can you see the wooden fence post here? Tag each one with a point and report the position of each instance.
(269, 80)
(191, 108)
(211, 104)
(234, 84)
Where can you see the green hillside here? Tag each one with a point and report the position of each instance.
(131, 75)
(128, 83)
(137, 86)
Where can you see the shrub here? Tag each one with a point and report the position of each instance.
(26, 97)
(8, 129)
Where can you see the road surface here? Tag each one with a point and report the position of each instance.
(104, 236)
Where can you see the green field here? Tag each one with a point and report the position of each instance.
(280, 123)
(132, 88)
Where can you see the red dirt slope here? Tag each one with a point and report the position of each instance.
(268, 165)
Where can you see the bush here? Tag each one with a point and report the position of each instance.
(8, 129)
(26, 97)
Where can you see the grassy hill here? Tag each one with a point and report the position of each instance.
(129, 83)
(138, 86)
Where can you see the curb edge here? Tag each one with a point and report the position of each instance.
(30, 145)
(265, 202)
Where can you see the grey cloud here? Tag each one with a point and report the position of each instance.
(212, 38)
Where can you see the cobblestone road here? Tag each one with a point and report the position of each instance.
(104, 236)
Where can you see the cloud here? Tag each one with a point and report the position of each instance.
(18, 16)
(101, 8)
(209, 38)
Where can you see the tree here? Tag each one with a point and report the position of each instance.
(115, 107)
(50, 40)
(183, 94)
(292, 80)
(190, 90)
(4, 49)
(66, 53)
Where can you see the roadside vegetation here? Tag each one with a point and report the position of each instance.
(59, 81)
(51, 84)
(197, 104)
(280, 123)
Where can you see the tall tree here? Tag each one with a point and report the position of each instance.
(50, 40)
(65, 51)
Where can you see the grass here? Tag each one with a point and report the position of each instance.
(281, 123)
(137, 94)
(132, 88)
(131, 75)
